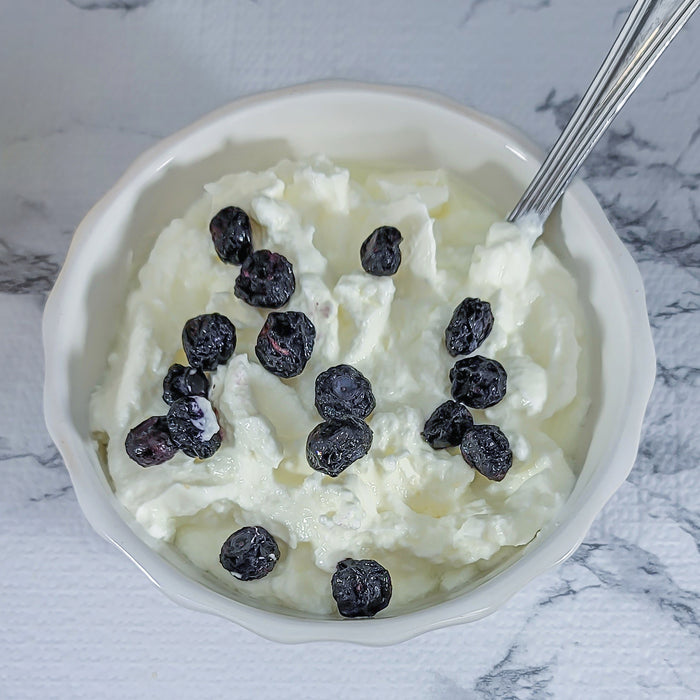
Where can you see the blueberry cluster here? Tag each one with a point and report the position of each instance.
(284, 346)
(361, 587)
(343, 396)
(190, 424)
(477, 382)
(266, 279)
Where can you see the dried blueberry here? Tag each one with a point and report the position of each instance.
(230, 231)
(380, 254)
(332, 446)
(193, 426)
(285, 343)
(343, 391)
(487, 449)
(209, 340)
(361, 587)
(471, 323)
(447, 425)
(266, 279)
(149, 443)
(478, 381)
(250, 553)
(184, 381)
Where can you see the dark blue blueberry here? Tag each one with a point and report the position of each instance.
(191, 422)
(343, 392)
(209, 341)
(285, 343)
(149, 443)
(471, 324)
(183, 381)
(361, 587)
(250, 553)
(266, 279)
(447, 425)
(478, 382)
(332, 446)
(487, 449)
(380, 254)
(230, 231)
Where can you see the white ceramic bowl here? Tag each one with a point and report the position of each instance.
(361, 123)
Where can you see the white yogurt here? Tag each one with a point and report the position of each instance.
(207, 425)
(429, 518)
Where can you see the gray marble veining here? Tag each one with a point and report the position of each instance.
(23, 272)
(125, 5)
(88, 85)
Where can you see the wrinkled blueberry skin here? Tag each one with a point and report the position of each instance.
(343, 392)
(183, 381)
(447, 425)
(230, 231)
(487, 449)
(250, 553)
(266, 279)
(471, 324)
(185, 434)
(332, 446)
(285, 343)
(149, 443)
(361, 587)
(380, 254)
(478, 382)
(209, 341)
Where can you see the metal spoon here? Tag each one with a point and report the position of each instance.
(649, 29)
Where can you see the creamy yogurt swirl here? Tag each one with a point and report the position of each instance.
(425, 515)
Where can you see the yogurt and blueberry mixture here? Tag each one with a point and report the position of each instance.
(296, 402)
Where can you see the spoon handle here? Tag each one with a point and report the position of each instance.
(649, 29)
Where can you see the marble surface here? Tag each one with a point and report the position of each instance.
(87, 85)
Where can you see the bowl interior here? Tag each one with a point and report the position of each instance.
(348, 123)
